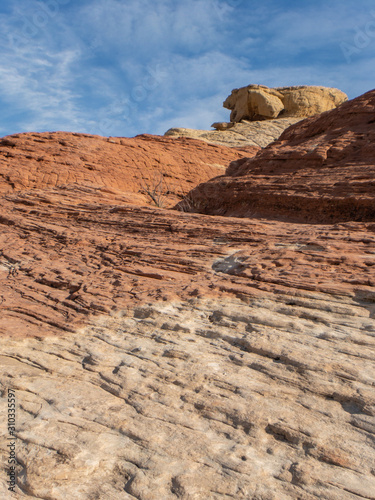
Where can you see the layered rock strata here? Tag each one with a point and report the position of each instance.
(143, 170)
(245, 133)
(321, 169)
(157, 354)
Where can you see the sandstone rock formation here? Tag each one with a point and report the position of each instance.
(122, 168)
(321, 169)
(157, 354)
(246, 133)
(160, 354)
(259, 114)
(258, 102)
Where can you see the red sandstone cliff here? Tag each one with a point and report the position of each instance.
(321, 169)
(127, 168)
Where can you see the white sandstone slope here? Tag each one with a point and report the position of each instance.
(269, 398)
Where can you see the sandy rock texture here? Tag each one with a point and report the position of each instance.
(243, 134)
(132, 170)
(321, 169)
(206, 398)
(162, 354)
(165, 354)
(258, 102)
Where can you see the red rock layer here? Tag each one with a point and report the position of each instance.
(66, 255)
(131, 169)
(320, 170)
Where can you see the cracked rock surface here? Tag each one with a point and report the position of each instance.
(202, 398)
(141, 170)
(158, 354)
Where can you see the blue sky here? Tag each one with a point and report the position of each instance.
(125, 67)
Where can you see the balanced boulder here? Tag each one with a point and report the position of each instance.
(258, 102)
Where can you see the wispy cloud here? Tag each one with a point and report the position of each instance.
(121, 68)
(41, 88)
(36, 76)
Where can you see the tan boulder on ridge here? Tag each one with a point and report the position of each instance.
(258, 102)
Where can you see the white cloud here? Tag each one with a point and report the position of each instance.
(38, 82)
(36, 77)
(121, 68)
(144, 27)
